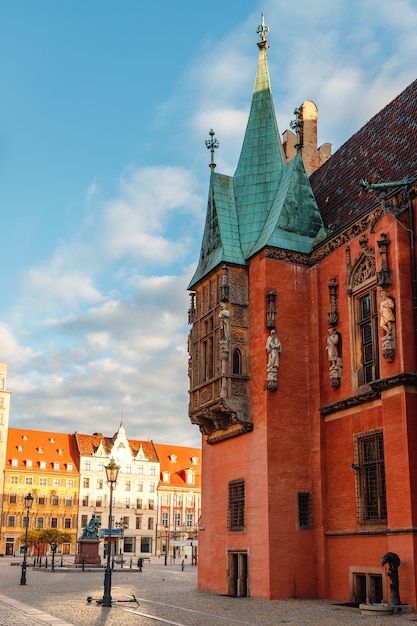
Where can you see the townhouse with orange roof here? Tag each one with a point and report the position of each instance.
(45, 465)
(179, 501)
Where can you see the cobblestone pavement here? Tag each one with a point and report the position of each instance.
(166, 595)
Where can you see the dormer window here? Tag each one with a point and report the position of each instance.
(194, 460)
(24, 437)
(20, 448)
(52, 439)
(56, 466)
(60, 451)
(29, 463)
(165, 477)
(40, 450)
(173, 458)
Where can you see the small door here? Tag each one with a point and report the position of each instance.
(238, 574)
(9, 547)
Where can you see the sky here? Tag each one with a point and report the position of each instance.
(105, 107)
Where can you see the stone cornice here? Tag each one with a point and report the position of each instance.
(402, 378)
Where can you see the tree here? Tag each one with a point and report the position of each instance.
(53, 535)
(34, 539)
(39, 536)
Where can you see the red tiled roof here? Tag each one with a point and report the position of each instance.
(36, 445)
(88, 444)
(383, 150)
(183, 461)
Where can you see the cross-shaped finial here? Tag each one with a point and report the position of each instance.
(212, 144)
(263, 29)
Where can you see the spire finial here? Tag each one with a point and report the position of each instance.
(263, 31)
(297, 124)
(212, 144)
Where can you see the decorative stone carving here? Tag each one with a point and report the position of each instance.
(333, 348)
(387, 322)
(273, 348)
(224, 286)
(271, 313)
(332, 315)
(384, 277)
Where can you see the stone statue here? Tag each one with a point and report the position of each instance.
(332, 346)
(386, 310)
(394, 563)
(273, 348)
(91, 530)
(387, 322)
(334, 356)
(224, 317)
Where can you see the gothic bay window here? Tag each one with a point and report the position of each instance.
(370, 479)
(236, 505)
(366, 335)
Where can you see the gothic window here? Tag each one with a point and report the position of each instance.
(370, 478)
(366, 336)
(236, 505)
(237, 361)
(207, 360)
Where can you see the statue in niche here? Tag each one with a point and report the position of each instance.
(224, 317)
(386, 310)
(387, 322)
(91, 530)
(333, 348)
(273, 348)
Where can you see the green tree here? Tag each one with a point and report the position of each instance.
(53, 535)
(34, 539)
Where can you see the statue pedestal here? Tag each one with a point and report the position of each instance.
(87, 552)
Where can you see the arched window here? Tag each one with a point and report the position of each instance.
(237, 361)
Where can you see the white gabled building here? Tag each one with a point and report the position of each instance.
(134, 497)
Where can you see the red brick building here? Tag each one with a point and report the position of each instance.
(303, 360)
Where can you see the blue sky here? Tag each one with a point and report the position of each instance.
(104, 110)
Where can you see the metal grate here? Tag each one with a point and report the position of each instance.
(305, 510)
(371, 479)
(237, 504)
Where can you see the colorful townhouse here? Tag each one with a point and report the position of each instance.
(179, 497)
(45, 465)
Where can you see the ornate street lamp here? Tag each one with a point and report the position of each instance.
(54, 546)
(112, 471)
(28, 506)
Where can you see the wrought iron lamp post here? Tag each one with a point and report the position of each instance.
(28, 506)
(112, 471)
(54, 546)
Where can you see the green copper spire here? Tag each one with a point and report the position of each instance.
(267, 202)
(262, 157)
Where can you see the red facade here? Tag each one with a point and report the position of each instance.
(310, 473)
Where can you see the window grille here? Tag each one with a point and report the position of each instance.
(371, 489)
(236, 517)
(304, 510)
(366, 313)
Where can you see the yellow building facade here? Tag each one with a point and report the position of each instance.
(43, 464)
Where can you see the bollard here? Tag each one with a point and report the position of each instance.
(130, 564)
(46, 562)
(182, 565)
(62, 560)
(83, 564)
(165, 560)
(112, 563)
